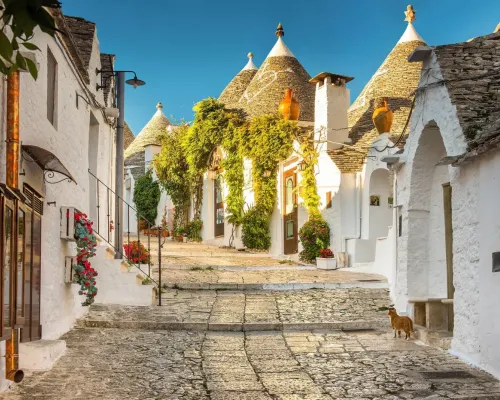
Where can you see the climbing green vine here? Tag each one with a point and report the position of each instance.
(308, 185)
(171, 168)
(267, 141)
(203, 136)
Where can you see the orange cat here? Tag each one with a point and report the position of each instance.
(400, 323)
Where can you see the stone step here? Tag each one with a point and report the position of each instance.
(221, 253)
(230, 327)
(274, 286)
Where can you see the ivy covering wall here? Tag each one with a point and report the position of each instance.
(267, 140)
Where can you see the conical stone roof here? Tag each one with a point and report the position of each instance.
(128, 136)
(280, 71)
(150, 133)
(235, 89)
(395, 79)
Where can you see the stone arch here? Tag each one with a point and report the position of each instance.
(426, 247)
(380, 213)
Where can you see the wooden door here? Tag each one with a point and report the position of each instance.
(290, 213)
(218, 207)
(448, 229)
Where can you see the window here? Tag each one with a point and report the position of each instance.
(328, 199)
(51, 88)
(375, 200)
(400, 223)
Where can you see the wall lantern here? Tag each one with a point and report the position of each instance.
(302, 167)
(135, 82)
(267, 173)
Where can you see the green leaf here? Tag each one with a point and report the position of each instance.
(32, 68)
(15, 45)
(23, 22)
(3, 68)
(45, 21)
(6, 49)
(30, 46)
(21, 61)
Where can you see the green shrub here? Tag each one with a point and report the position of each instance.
(146, 198)
(255, 230)
(194, 230)
(314, 236)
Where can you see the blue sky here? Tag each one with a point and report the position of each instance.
(187, 50)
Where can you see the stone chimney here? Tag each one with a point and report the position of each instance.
(330, 110)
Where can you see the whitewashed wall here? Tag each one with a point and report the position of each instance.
(329, 180)
(476, 226)
(69, 141)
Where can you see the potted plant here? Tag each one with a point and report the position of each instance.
(185, 237)
(179, 233)
(326, 260)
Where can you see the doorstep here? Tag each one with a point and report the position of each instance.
(41, 354)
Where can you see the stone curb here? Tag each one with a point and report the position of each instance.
(275, 286)
(232, 327)
(214, 254)
(209, 268)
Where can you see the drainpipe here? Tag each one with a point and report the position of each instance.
(13, 130)
(357, 210)
(12, 371)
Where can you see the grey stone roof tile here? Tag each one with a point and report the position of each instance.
(471, 73)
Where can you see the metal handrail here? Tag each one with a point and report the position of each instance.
(110, 200)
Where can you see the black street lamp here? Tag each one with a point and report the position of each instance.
(120, 99)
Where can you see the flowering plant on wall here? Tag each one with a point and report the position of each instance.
(86, 244)
(136, 253)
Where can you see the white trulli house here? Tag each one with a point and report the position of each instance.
(447, 188)
(350, 171)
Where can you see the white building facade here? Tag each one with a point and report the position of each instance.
(446, 192)
(63, 128)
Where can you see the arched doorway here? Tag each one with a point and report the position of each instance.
(380, 213)
(430, 233)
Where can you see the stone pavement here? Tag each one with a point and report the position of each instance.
(283, 279)
(248, 344)
(116, 364)
(236, 311)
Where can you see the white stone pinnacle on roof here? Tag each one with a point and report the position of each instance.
(280, 50)
(410, 35)
(159, 110)
(250, 65)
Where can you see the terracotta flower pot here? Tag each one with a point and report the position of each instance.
(289, 107)
(382, 116)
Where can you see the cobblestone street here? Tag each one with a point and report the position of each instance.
(258, 329)
(307, 365)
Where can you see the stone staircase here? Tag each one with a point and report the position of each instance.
(117, 282)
